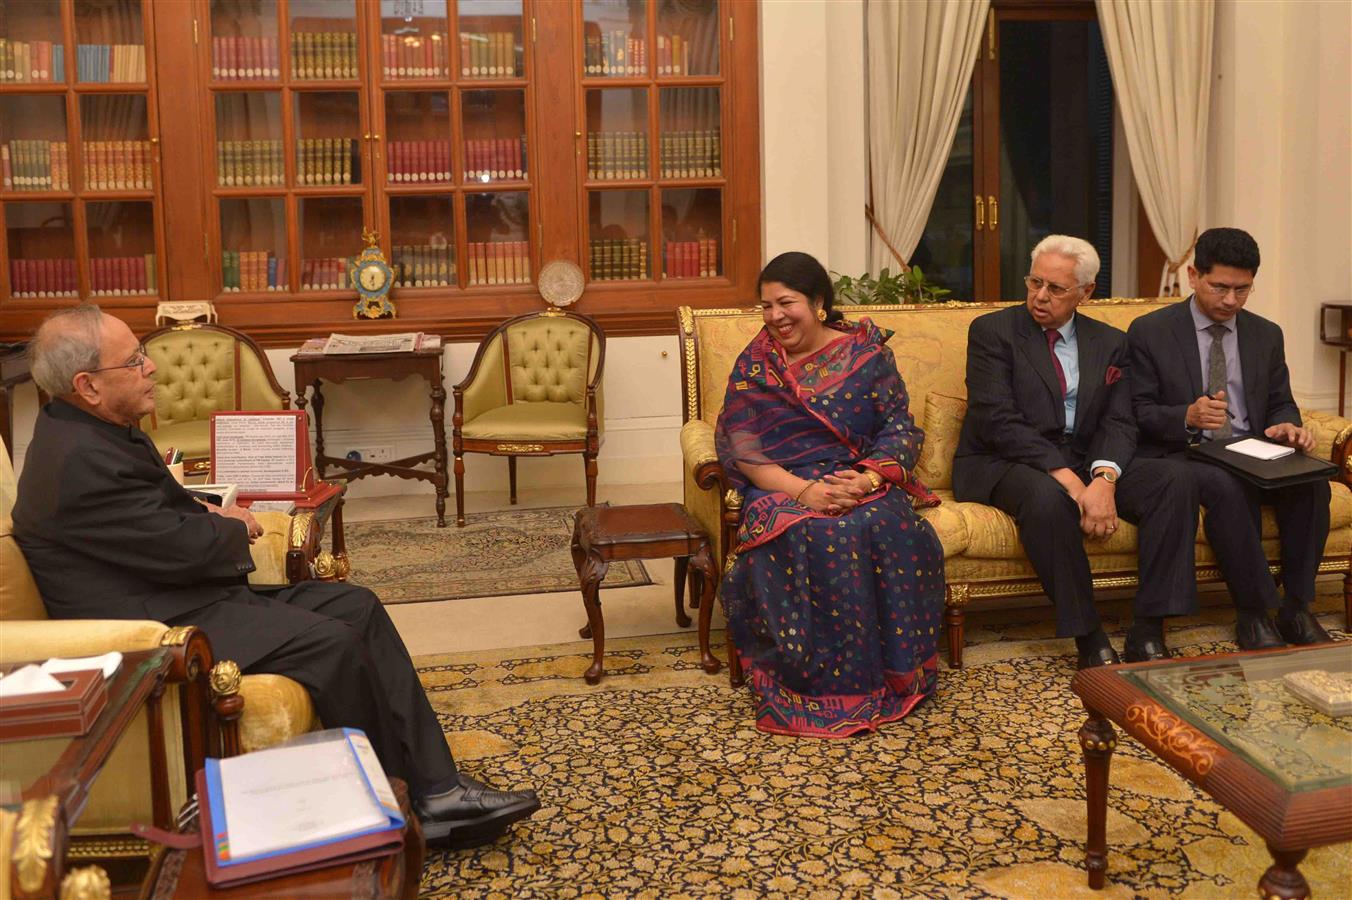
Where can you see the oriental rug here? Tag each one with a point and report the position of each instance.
(655, 784)
(519, 551)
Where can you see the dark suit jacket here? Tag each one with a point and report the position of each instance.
(1166, 375)
(109, 534)
(1015, 413)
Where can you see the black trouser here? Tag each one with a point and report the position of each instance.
(1158, 496)
(1234, 529)
(359, 675)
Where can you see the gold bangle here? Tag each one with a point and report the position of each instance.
(874, 479)
(799, 497)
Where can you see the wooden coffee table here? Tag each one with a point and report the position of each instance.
(1229, 725)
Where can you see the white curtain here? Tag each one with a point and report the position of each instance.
(1160, 56)
(920, 58)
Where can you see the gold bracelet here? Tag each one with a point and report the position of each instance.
(799, 498)
(874, 479)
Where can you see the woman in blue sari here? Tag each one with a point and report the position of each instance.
(835, 595)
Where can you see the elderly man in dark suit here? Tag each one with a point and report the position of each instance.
(1208, 369)
(109, 533)
(1050, 440)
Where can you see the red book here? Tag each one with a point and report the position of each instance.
(444, 147)
(425, 161)
(255, 45)
(396, 161)
(274, 64)
(138, 274)
(229, 58)
(429, 61)
(387, 54)
(69, 277)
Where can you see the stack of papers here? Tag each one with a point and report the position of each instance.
(1260, 449)
(39, 679)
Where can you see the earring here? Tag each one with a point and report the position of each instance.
(821, 315)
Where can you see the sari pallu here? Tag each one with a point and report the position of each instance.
(836, 618)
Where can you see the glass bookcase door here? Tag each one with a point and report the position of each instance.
(32, 49)
(690, 140)
(34, 153)
(490, 39)
(109, 42)
(497, 229)
(330, 235)
(618, 225)
(40, 240)
(614, 38)
(494, 126)
(244, 45)
(617, 133)
(249, 139)
(692, 232)
(422, 240)
(328, 138)
(253, 245)
(413, 40)
(417, 138)
(323, 40)
(121, 238)
(687, 38)
(115, 147)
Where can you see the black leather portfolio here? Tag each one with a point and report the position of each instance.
(1297, 468)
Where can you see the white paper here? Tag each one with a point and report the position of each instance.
(256, 452)
(108, 662)
(227, 492)
(295, 796)
(282, 506)
(29, 679)
(1260, 449)
(373, 343)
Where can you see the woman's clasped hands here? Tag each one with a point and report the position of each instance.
(836, 493)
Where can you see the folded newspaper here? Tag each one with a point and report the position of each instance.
(406, 342)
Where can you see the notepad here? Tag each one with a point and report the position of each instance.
(1260, 449)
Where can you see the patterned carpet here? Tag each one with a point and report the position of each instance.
(655, 784)
(519, 551)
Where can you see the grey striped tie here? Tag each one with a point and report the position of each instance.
(1216, 373)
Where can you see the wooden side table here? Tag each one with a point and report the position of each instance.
(313, 368)
(653, 531)
(1335, 330)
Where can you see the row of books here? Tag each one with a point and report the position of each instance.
(122, 274)
(617, 53)
(617, 154)
(495, 159)
(411, 161)
(110, 62)
(29, 62)
(492, 54)
(498, 262)
(35, 166)
(326, 161)
(327, 273)
(619, 259)
(323, 55)
(691, 259)
(116, 165)
(423, 265)
(691, 154)
(245, 58)
(414, 56)
(249, 163)
(43, 278)
(252, 270)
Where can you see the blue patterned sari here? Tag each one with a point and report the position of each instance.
(835, 618)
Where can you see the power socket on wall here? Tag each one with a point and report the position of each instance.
(381, 454)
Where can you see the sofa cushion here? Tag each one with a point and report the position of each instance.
(544, 421)
(19, 597)
(942, 425)
(948, 523)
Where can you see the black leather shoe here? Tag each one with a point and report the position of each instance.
(1257, 633)
(1138, 649)
(1301, 628)
(1102, 656)
(471, 813)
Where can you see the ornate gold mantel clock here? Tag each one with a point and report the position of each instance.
(372, 278)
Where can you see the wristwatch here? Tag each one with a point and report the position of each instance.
(1106, 474)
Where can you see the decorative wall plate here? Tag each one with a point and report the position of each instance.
(560, 283)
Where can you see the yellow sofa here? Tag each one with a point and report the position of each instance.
(983, 558)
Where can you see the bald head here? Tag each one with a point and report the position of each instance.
(66, 343)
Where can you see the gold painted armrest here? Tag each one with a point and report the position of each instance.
(269, 551)
(697, 445)
(1332, 440)
(43, 638)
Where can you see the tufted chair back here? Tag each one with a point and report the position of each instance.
(548, 359)
(200, 369)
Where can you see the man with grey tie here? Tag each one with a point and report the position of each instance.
(1208, 369)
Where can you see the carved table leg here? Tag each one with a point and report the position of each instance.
(511, 480)
(1283, 881)
(318, 402)
(678, 582)
(460, 490)
(438, 416)
(703, 562)
(1097, 740)
(590, 573)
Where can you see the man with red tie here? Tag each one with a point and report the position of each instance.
(1050, 438)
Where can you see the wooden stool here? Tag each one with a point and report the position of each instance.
(652, 531)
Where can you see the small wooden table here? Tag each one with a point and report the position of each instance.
(313, 368)
(653, 531)
(1229, 724)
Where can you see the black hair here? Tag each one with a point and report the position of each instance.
(801, 272)
(1232, 247)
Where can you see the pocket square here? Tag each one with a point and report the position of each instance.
(1112, 375)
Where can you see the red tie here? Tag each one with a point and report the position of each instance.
(1052, 337)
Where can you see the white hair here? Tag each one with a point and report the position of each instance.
(66, 343)
(1085, 256)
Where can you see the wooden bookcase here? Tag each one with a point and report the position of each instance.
(480, 138)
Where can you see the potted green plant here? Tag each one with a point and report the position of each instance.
(910, 286)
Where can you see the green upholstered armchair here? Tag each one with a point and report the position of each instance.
(534, 389)
(200, 369)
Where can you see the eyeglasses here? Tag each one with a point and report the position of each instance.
(1242, 291)
(138, 361)
(1055, 290)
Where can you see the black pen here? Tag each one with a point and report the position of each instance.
(1227, 405)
